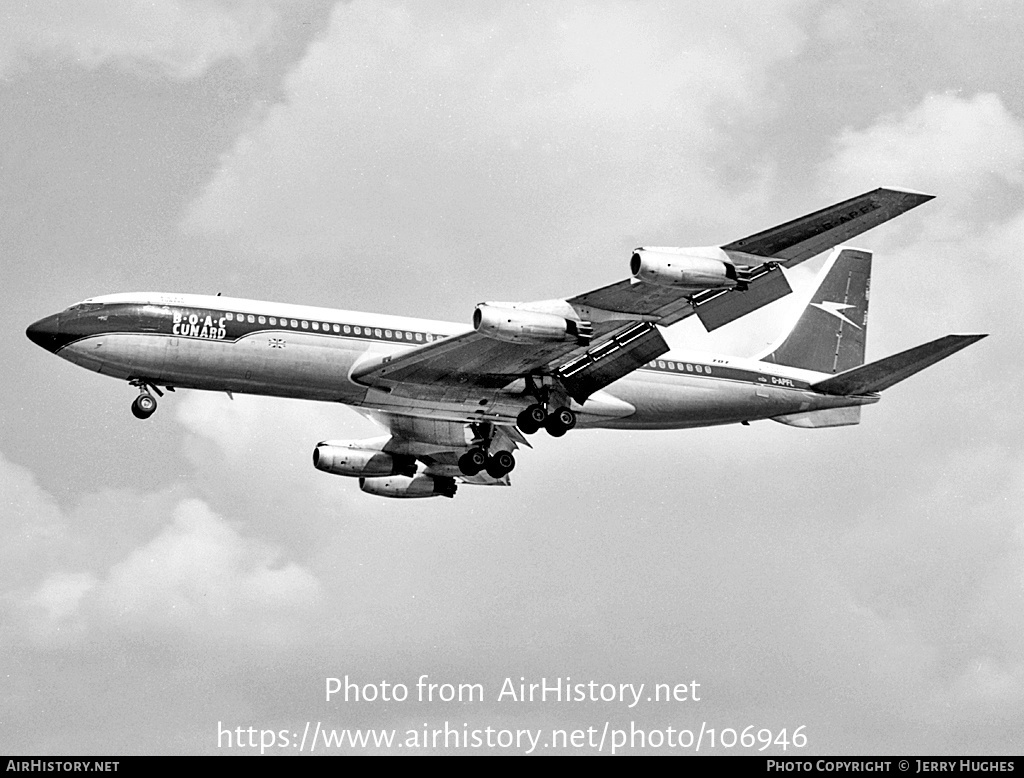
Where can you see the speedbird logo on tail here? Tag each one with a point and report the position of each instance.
(836, 309)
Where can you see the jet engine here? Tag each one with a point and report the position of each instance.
(680, 269)
(404, 487)
(513, 325)
(346, 458)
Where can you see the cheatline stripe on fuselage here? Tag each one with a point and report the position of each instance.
(201, 323)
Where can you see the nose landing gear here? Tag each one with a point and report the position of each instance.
(144, 405)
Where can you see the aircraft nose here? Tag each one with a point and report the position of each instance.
(45, 332)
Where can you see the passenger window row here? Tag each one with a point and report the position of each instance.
(346, 329)
(680, 366)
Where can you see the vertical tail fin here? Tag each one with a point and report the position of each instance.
(830, 334)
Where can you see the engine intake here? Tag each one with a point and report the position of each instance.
(406, 487)
(513, 325)
(340, 458)
(679, 269)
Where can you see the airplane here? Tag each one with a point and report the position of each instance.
(457, 401)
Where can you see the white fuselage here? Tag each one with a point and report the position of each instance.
(277, 349)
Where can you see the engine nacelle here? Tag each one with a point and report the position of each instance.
(514, 325)
(405, 487)
(677, 268)
(341, 458)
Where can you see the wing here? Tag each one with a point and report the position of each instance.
(808, 236)
(472, 365)
(785, 245)
(624, 314)
(483, 362)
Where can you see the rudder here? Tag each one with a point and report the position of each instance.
(831, 333)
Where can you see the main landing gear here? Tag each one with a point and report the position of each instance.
(476, 459)
(557, 423)
(144, 405)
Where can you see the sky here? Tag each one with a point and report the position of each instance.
(162, 582)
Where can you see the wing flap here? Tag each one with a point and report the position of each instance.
(724, 307)
(613, 359)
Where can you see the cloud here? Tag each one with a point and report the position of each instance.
(51, 614)
(426, 139)
(31, 525)
(945, 561)
(266, 445)
(197, 578)
(951, 263)
(203, 577)
(968, 150)
(179, 38)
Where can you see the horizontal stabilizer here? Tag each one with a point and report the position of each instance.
(876, 376)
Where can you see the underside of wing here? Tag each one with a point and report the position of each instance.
(439, 444)
(422, 455)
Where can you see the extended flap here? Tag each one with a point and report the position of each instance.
(611, 360)
(727, 306)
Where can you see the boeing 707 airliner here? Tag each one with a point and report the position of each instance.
(457, 401)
